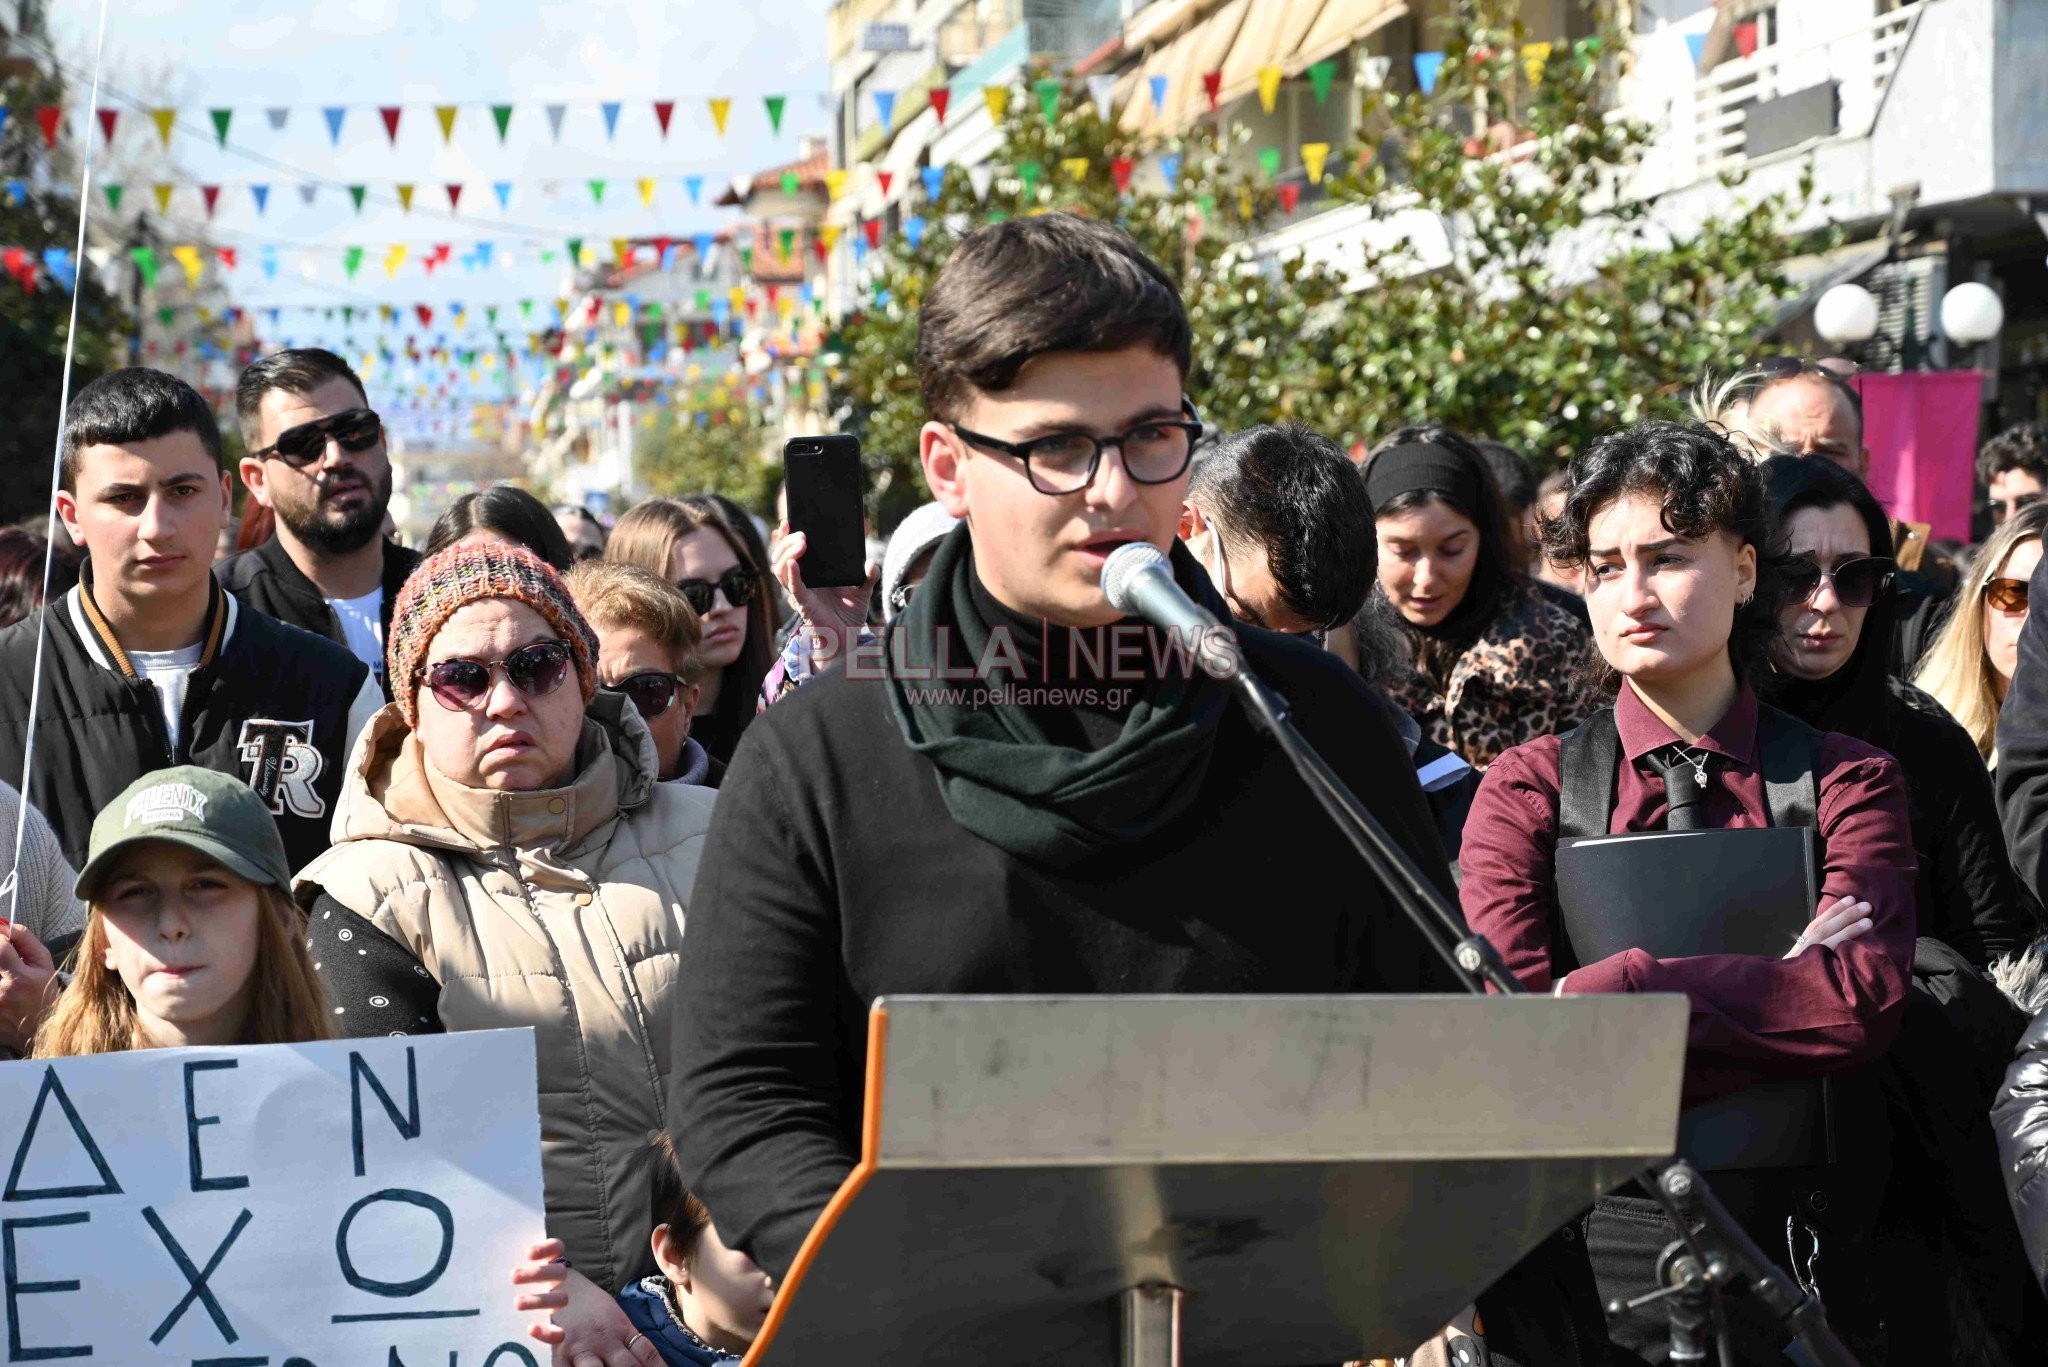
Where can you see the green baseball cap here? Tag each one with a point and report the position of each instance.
(216, 814)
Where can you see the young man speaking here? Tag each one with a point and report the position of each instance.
(1076, 827)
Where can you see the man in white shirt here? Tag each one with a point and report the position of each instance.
(317, 460)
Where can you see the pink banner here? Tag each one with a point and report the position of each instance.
(1921, 428)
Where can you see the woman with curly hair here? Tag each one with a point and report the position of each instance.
(1668, 523)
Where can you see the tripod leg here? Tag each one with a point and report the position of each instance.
(1151, 1327)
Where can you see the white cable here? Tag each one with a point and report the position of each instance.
(35, 692)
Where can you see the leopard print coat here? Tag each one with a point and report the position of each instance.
(1524, 677)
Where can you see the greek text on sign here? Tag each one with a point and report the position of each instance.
(358, 1203)
(885, 38)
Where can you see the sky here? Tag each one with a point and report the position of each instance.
(307, 55)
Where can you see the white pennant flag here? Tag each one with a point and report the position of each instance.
(555, 112)
(1372, 73)
(278, 118)
(101, 258)
(742, 186)
(959, 224)
(1102, 88)
(980, 178)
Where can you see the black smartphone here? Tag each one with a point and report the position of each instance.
(823, 478)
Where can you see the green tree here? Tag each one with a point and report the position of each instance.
(34, 322)
(712, 443)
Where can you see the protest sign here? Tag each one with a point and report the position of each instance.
(356, 1203)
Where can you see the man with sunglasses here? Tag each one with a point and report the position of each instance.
(148, 662)
(317, 460)
(1018, 791)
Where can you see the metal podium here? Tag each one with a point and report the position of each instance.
(1213, 1180)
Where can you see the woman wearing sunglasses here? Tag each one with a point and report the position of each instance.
(1832, 673)
(695, 545)
(506, 856)
(1971, 663)
(647, 639)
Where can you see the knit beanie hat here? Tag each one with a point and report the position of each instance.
(917, 533)
(445, 583)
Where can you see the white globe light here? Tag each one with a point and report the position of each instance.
(1971, 313)
(1846, 313)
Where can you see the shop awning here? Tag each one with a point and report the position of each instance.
(1184, 62)
(1342, 23)
(1270, 36)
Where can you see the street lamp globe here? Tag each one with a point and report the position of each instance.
(1846, 315)
(1971, 313)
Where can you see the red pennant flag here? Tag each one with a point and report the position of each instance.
(819, 249)
(15, 260)
(1120, 172)
(664, 110)
(108, 118)
(49, 116)
(885, 179)
(753, 307)
(226, 255)
(389, 113)
(941, 97)
(873, 229)
(211, 194)
(443, 251)
(426, 315)
(1290, 195)
(1212, 85)
(454, 197)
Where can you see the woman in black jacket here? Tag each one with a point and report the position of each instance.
(1830, 676)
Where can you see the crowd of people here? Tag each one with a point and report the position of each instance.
(642, 789)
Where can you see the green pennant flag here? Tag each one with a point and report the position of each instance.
(776, 104)
(747, 259)
(597, 192)
(145, 262)
(703, 300)
(1269, 161)
(1048, 97)
(348, 313)
(1029, 172)
(355, 192)
(575, 251)
(526, 308)
(999, 217)
(787, 237)
(113, 194)
(791, 182)
(221, 119)
(491, 314)
(547, 258)
(502, 114)
(1207, 204)
(1320, 76)
(352, 261)
(166, 315)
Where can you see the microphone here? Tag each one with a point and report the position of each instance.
(1137, 579)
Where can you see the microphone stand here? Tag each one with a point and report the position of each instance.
(1695, 1269)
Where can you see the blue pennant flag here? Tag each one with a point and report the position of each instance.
(913, 230)
(503, 190)
(695, 185)
(17, 190)
(1158, 94)
(270, 263)
(860, 250)
(262, 194)
(668, 257)
(885, 106)
(483, 253)
(57, 261)
(611, 118)
(1169, 170)
(1696, 44)
(334, 114)
(4, 111)
(934, 181)
(721, 310)
(703, 243)
(1427, 65)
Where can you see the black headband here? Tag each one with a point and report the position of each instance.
(1425, 467)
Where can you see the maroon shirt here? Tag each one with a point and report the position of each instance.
(1753, 1018)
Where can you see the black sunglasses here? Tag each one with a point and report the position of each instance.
(1857, 582)
(1154, 452)
(737, 584)
(651, 691)
(355, 430)
(536, 671)
(1785, 367)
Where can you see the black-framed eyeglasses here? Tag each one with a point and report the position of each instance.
(1857, 582)
(355, 430)
(536, 671)
(652, 691)
(1154, 452)
(737, 584)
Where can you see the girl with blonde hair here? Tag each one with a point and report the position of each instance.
(1970, 665)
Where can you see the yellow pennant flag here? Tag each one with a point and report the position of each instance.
(721, 110)
(835, 183)
(829, 235)
(622, 314)
(647, 184)
(1534, 56)
(738, 297)
(1244, 204)
(394, 258)
(1269, 87)
(786, 305)
(188, 257)
(622, 250)
(164, 118)
(405, 197)
(445, 115)
(1314, 157)
(1075, 167)
(163, 197)
(998, 99)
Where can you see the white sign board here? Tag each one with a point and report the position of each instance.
(885, 38)
(358, 1203)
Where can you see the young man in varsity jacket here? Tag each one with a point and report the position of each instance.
(149, 662)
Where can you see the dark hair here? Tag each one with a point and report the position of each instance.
(2020, 447)
(1030, 287)
(22, 554)
(1495, 570)
(669, 1201)
(1294, 497)
(298, 371)
(1854, 703)
(127, 406)
(1511, 471)
(1704, 485)
(510, 512)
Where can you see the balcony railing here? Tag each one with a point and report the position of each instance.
(1859, 62)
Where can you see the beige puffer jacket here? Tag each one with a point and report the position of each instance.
(561, 909)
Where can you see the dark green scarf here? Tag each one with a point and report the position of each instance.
(999, 774)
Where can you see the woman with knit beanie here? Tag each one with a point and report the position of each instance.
(506, 856)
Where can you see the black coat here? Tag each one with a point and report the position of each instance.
(267, 580)
(834, 873)
(2022, 776)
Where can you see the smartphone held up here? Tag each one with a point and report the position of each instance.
(823, 480)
